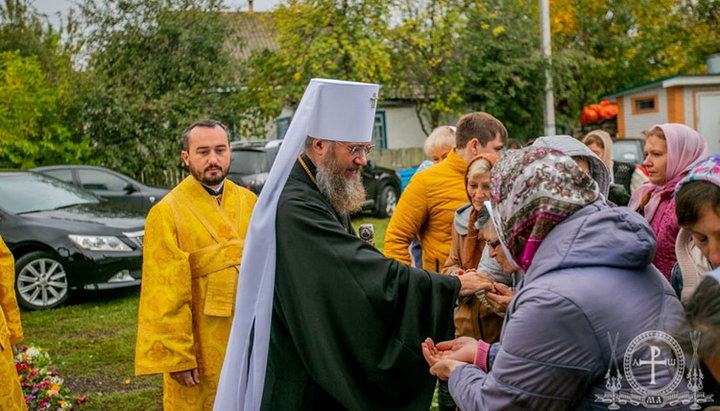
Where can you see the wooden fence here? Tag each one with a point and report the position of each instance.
(397, 158)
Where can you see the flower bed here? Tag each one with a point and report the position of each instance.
(41, 385)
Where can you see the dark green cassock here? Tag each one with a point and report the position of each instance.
(347, 322)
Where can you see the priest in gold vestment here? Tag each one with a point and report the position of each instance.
(11, 396)
(193, 245)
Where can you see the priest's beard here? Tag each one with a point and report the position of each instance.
(346, 195)
(211, 176)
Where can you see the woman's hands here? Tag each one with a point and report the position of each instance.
(444, 357)
(500, 297)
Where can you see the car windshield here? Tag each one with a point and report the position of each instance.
(30, 192)
(251, 161)
(628, 151)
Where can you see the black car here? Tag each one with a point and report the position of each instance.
(252, 160)
(66, 240)
(382, 189)
(107, 184)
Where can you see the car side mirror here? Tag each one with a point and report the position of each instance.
(370, 164)
(129, 188)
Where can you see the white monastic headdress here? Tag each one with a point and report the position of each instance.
(330, 110)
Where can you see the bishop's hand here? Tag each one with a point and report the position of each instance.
(472, 282)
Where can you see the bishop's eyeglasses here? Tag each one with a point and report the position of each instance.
(357, 150)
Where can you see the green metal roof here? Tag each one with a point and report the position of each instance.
(639, 86)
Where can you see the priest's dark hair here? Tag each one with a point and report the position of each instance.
(481, 126)
(202, 123)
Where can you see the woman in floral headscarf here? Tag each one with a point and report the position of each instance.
(554, 349)
(670, 151)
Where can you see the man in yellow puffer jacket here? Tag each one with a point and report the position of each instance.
(427, 206)
(11, 396)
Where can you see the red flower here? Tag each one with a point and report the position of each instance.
(81, 399)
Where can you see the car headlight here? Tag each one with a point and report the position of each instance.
(99, 242)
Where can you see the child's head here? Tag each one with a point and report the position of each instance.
(697, 206)
(439, 143)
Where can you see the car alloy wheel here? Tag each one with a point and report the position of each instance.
(41, 281)
(387, 202)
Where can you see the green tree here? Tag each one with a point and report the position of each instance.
(342, 39)
(428, 62)
(156, 66)
(39, 91)
(504, 70)
(33, 121)
(601, 46)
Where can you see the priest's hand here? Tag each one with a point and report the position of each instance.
(460, 349)
(187, 378)
(472, 282)
(500, 298)
(443, 368)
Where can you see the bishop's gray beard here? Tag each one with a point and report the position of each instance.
(345, 195)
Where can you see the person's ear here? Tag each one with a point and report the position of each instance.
(185, 156)
(318, 145)
(474, 146)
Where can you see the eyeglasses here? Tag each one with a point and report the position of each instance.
(357, 150)
(493, 244)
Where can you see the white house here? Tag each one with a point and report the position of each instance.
(692, 99)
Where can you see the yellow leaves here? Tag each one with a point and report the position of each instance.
(563, 16)
(498, 31)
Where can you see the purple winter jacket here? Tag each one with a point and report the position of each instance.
(591, 276)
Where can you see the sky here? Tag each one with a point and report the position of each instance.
(52, 7)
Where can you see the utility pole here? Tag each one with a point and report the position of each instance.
(549, 110)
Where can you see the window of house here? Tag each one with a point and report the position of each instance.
(646, 104)
(379, 137)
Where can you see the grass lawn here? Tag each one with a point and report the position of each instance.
(92, 343)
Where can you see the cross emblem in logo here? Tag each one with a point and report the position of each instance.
(654, 353)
